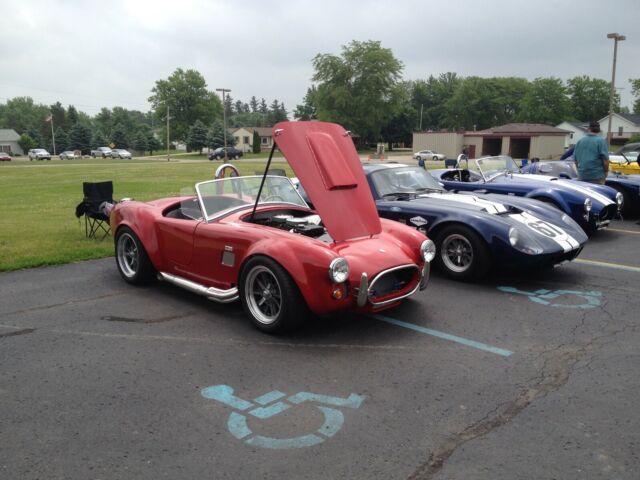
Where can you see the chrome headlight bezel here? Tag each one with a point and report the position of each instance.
(619, 199)
(514, 236)
(428, 250)
(588, 205)
(339, 270)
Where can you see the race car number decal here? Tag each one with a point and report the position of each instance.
(553, 232)
(544, 228)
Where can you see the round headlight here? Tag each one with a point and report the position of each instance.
(619, 198)
(339, 270)
(428, 250)
(513, 236)
(587, 205)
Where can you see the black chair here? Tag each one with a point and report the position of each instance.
(97, 196)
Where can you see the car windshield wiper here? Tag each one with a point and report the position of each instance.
(429, 189)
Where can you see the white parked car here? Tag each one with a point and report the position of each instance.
(120, 153)
(67, 155)
(39, 154)
(429, 155)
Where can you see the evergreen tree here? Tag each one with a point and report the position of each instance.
(98, 140)
(215, 137)
(119, 136)
(253, 104)
(256, 142)
(62, 140)
(72, 117)
(197, 138)
(140, 142)
(80, 138)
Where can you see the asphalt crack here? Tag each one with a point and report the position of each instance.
(558, 365)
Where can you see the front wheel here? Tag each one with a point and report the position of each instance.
(132, 259)
(270, 296)
(461, 253)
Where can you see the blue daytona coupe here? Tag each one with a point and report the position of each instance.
(592, 206)
(474, 233)
(627, 185)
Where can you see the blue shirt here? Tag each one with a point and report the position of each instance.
(589, 152)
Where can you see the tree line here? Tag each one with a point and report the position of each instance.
(362, 88)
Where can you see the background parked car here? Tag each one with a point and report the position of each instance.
(120, 153)
(429, 155)
(67, 155)
(232, 152)
(39, 154)
(103, 152)
(5, 157)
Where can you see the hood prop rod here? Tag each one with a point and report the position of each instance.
(264, 177)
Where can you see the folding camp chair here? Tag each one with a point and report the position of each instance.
(96, 197)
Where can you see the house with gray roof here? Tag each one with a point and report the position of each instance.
(623, 126)
(9, 141)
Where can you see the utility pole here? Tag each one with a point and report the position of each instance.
(168, 144)
(224, 119)
(53, 137)
(616, 38)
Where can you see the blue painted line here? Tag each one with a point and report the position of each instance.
(269, 397)
(445, 336)
(270, 411)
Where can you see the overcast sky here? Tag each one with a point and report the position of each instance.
(110, 53)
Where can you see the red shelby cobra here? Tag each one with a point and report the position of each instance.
(254, 237)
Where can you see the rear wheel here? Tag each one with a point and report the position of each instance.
(132, 259)
(461, 253)
(270, 296)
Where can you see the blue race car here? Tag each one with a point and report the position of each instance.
(591, 206)
(472, 233)
(627, 185)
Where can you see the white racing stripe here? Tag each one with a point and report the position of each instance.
(546, 229)
(568, 184)
(489, 206)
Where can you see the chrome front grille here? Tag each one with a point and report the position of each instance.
(393, 284)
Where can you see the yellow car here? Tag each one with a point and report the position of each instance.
(625, 163)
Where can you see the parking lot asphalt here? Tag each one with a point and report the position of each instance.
(528, 375)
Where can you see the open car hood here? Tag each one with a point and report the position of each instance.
(324, 159)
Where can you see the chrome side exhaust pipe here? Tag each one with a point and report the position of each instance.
(211, 293)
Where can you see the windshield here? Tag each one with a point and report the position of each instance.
(492, 167)
(398, 180)
(225, 194)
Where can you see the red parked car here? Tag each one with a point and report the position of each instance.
(253, 238)
(5, 157)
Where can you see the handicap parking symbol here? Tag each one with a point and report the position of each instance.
(590, 299)
(271, 404)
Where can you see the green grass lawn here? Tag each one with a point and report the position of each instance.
(38, 199)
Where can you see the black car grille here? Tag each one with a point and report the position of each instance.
(608, 213)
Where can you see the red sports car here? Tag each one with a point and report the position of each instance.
(5, 157)
(255, 239)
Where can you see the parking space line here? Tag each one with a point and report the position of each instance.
(623, 231)
(617, 266)
(445, 336)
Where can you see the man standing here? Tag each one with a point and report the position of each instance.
(592, 156)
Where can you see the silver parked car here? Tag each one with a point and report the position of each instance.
(39, 154)
(67, 155)
(120, 153)
(429, 155)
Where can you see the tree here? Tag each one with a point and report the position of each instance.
(253, 104)
(256, 147)
(186, 95)
(546, 102)
(635, 91)
(62, 140)
(215, 137)
(429, 99)
(355, 89)
(306, 111)
(140, 142)
(72, 116)
(80, 138)
(59, 116)
(589, 98)
(263, 108)
(399, 128)
(23, 115)
(98, 139)
(26, 142)
(119, 136)
(197, 138)
(277, 113)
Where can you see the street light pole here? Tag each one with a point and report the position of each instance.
(616, 38)
(168, 144)
(224, 119)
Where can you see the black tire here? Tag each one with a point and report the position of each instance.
(461, 254)
(132, 259)
(270, 297)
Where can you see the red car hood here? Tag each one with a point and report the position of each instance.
(325, 161)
